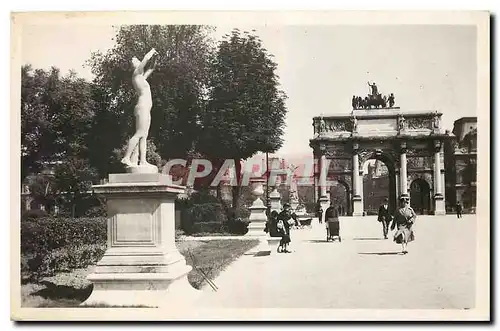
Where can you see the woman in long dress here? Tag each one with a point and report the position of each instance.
(404, 218)
(285, 220)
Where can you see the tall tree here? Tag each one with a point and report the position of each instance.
(56, 113)
(178, 88)
(73, 178)
(246, 111)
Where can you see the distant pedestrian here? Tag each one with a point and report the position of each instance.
(459, 209)
(320, 214)
(384, 217)
(285, 220)
(404, 218)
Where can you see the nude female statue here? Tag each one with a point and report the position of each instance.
(142, 111)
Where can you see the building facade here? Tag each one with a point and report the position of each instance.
(410, 144)
(461, 155)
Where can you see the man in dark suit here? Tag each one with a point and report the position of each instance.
(384, 216)
(459, 209)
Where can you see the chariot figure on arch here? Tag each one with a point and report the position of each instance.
(375, 99)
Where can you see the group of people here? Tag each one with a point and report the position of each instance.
(402, 220)
(279, 225)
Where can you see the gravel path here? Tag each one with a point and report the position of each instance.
(362, 271)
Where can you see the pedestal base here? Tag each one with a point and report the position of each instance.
(262, 248)
(256, 229)
(144, 290)
(439, 205)
(257, 219)
(357, 206)
(141, 169)
(141, 266)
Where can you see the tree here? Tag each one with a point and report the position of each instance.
(43, 190)
(178, 88)
(56, 114)
(246, 109)
(73, 178)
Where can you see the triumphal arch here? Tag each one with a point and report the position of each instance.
(409, 143)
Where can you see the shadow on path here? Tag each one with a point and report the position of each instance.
(368, 239)
(318, 241)
(54, 292)
(381, 253)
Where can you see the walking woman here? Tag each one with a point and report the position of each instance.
(404, 218)
(285, 220)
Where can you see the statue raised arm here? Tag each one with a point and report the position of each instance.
(142, 112)
(374, 88)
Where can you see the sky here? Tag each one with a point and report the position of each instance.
(427, 67)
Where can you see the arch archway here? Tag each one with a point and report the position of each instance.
(420, 196)
(379, 182)
(341, 197)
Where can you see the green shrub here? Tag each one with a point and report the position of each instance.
(240, 212)
(49, 233)
(238, 226)
(33, 214)
(207, 213)
(197, 198)
(210, 227)
(44, 264)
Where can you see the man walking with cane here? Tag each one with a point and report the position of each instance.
(384, 216)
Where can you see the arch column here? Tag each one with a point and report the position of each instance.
(403, 172)
(396, 178)
(361, 190)
(324, 199)
(439, 204)
(357, 200)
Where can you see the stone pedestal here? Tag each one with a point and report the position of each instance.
(275, 200)
(258, 218)
(439, 205)
(141, 265)
(357, 206)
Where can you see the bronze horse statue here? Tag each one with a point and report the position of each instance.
(376, 101)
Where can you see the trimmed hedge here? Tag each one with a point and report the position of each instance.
(33, 214)
(49, 233)
(50, 245)
(211, 227)
(206, 217)
(37, 265)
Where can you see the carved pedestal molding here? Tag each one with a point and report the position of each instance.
(141, 265)
(275, 200)
(258, 218)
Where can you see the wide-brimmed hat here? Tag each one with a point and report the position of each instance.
(405, 199)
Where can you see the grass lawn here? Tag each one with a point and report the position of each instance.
(71, 289)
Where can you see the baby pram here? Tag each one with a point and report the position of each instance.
(332, 224)
(333, 230)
